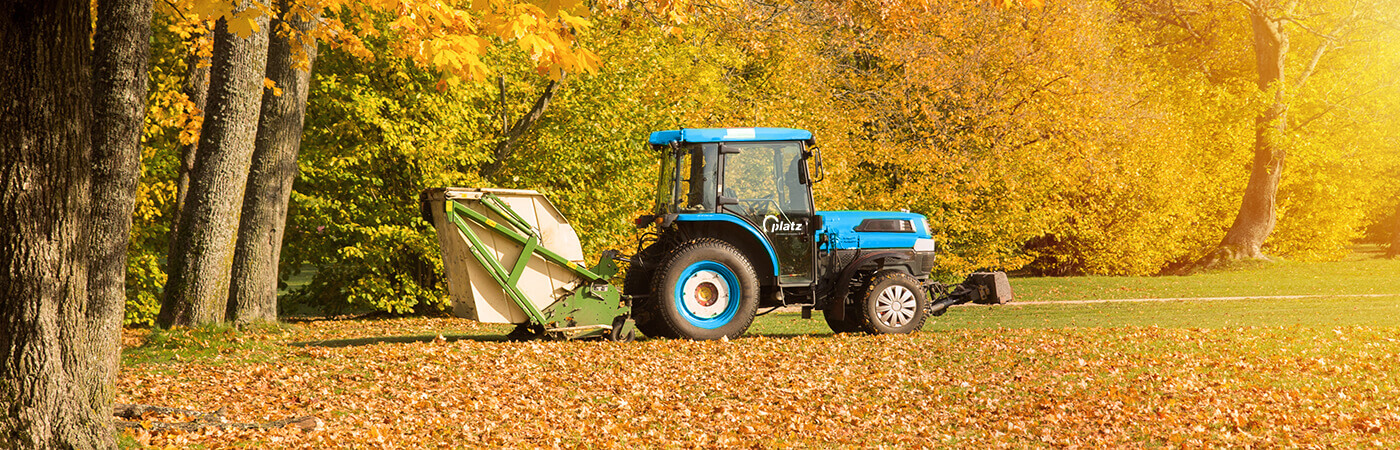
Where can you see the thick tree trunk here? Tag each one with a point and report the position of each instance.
(1256, 218)
(253, 294)
(121, 49)
(48, 368)
(197, 290)
(197, 89)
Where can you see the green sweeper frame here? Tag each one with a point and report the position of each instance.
(594, 308)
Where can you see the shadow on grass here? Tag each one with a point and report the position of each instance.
(356, 342)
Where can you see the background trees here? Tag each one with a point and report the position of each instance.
(1097, 137)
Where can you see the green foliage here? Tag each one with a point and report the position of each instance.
(1073, 138)
(144, 280)
(380, 132)
(377, 133)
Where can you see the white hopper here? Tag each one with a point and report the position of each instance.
(475, 294)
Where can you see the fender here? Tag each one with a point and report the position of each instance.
(837, 306)
(716, 217)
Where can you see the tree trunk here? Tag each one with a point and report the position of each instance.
(253, 293)
(1256, 218)
(121, 53)
(1394, 249)
(507, 145)
(197, 290)
(48, 368)
(197, 89)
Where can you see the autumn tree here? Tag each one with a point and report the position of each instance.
(1274, 25)
(383, 129)
(292, 51)
(197, 290)
(196, 91)
(121, 53)
(73, 100)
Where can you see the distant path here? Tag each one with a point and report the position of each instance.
(793, 309)
(1179, 299)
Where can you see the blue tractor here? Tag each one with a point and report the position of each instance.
(734, 229)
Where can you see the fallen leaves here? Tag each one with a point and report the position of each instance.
(420, 385)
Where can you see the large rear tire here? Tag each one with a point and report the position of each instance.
(894, 303)
(704, 290)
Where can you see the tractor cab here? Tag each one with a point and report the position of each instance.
(753, 182)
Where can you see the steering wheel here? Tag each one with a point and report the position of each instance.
(758, 206)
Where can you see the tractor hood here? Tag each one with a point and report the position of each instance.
(849, 230)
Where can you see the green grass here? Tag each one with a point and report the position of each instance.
(1363, 273)
(1347, 288)
(207, 343)
(1339, 283)
(1311, 312)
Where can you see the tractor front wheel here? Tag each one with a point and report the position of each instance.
(704, 290)
(893, 303)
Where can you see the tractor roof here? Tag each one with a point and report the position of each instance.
(728, 135)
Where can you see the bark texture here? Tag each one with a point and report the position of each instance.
(506, 147)
(1394, 249)
(1257, 215)
(46, 357)
(200, 265)
(197, 89)
(121, 54)
(253, 294)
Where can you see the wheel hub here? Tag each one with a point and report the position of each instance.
(705, 294)
(895, 306)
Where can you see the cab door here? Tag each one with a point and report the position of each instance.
(765, 183)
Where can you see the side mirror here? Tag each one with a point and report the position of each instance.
(722, 200)
(815, 223)
(728, 150)
(816, 155)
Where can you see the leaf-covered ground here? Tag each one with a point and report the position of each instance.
(396, 384)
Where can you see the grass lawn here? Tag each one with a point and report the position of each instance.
(1363, 273)
(1260, 372)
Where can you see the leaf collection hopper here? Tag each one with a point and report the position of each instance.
(510, 256)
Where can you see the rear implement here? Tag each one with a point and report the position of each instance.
(511, 257)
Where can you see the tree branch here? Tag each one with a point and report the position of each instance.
(201, 419)
(1327, 43)
(506, 146)
(1333, 107)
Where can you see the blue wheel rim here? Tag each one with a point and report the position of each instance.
(686, 300)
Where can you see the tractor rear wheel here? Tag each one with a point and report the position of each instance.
(894, 303)
(705, 289)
